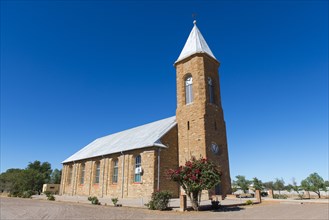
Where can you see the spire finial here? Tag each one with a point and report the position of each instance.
(194, 16)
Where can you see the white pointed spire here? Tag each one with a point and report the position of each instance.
(195, 44)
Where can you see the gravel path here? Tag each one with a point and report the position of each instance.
(16, 208)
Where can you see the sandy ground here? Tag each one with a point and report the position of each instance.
(16, 208)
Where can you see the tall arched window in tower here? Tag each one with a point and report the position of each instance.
(188, 90)
(211, 90)
(138, 169)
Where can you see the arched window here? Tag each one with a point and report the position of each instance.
(97, 173)
(188, 90)
(82, 173)
(115, 171)
(211, 91)
(69, 177)
(138, 169)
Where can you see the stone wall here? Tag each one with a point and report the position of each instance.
(125, 185)
(201, 123)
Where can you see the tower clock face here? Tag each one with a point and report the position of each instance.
(214, 148)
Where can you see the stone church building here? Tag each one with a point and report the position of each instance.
(133, 163)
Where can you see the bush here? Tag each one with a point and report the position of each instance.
(26, 194)
(159, 200)
(249, 202)
(115, 201)
(47, 193)
(280, 196)
(94, 200)
(51, 197)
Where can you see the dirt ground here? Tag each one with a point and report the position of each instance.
(16, 208)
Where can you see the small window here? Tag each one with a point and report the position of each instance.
(115, 171)
(82, 173)
(97, 173)
(188, 125)
(138, 169)
(211, 91)
(188, 90)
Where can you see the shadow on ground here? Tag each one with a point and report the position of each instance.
(210, 208)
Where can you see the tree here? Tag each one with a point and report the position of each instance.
(315, 183)
(195, 176)
(326, 183)
(278, 185)
(39, 174)
(258, 185)
(269, 185)
(12, 181)
(55, 176)
(242, 182)
(294, 187)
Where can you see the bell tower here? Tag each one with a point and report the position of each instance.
(199, 113)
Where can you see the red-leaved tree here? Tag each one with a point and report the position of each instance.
(195, 176)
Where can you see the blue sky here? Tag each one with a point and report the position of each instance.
(73, 71)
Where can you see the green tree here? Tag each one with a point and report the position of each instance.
(326, 183)
(269, 185)
(39, 174)
(242, 182)
(55, 176)
(279, 185)
(258, 185)
(195, 176)
(12, 181)
(315, 183)
(294, 187)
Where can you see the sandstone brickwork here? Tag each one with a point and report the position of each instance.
(201, 123)
(125, 187)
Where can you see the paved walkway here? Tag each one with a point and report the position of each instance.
(17, 208)
(174, 203)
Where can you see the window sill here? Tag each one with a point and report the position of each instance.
(137, 183)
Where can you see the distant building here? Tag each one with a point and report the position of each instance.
(132, 163)
(54, 188)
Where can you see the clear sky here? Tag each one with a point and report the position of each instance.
(73, 71)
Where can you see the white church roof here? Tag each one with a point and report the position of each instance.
(135, 138)
(195, 44)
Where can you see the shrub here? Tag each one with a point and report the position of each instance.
(115, 201)
(47, 193)
(249, 202)
(280, 196)
(94, 200)
(51, 197)
(159, 200)
(26, 194)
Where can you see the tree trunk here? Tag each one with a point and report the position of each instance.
(194, 200)
(319, 194)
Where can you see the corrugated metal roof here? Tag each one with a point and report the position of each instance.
(195, 44)
(134, 138)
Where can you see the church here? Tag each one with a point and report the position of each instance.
(133, 163)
